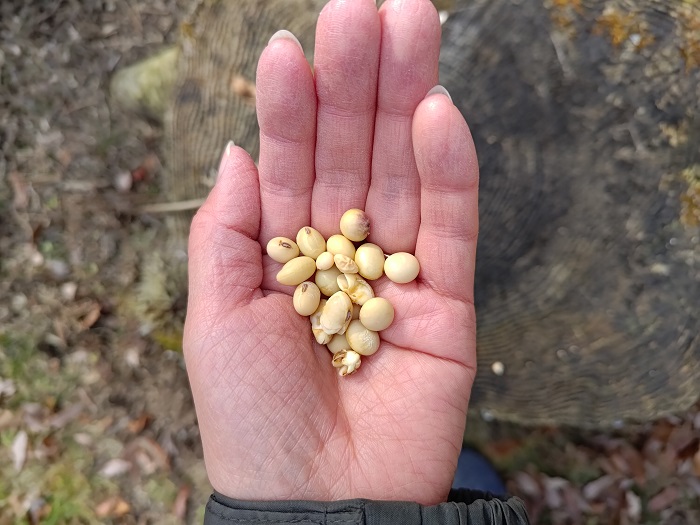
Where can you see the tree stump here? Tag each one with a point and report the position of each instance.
(586, 121)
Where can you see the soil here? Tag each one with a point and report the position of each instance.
(96, 419)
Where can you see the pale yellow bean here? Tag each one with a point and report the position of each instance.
(377, 314)
(296, 271)
(338, 244)
(321, 337)
(324, 261)
(401, 267)
(337, 314)
(362, 340)
(347, 362)
(370, 261)
(282, 249)
(306, 298)
(356, 287)
(310, 241)
(327, 281)
(354, 224)
(338, 343)
(345, 264)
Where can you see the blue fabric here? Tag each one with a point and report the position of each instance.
(475, 472)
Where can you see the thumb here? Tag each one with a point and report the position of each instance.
(225, 258)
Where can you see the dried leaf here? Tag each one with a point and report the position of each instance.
(39, 510)
(180, 503)
(7, 419)
(694, 484)
(114, 507)
(19, 449)
(83, 439)
(553, 491)
(634, 505)
(34, 416)
(696, 464)
(595, 489)
(148, 455)
(663, 499)
(244, 88)
(682, 438)
(20, 189)
(527, 485)
(7, 388)
(91, 316)
(662, 430)
(635, 463)
(65, 416)
(135, 426)
(115, 467)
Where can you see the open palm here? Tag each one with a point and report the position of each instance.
(277, 422)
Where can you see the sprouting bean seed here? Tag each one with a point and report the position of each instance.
(344, 263)
(337, 314)
(306, 298)
(356, 287)
(354, 224)
(296, 271)
(321, 337)
(347, 361)
(311, 243)
(377, 314)
(370, 261)
(401, 267)
(282, 250)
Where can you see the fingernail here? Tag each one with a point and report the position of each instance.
(224, 159)
(439, 90)
(286, 35)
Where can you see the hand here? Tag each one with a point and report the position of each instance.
(277, 422)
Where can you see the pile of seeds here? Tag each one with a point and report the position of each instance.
(345, 315)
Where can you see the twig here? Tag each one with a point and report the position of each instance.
(170, 207)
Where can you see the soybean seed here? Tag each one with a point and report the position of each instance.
(362, 340)
(306, 298)
(327, 281)
(338, 244)
(311, 243)
(377, 314)
(296, 271)
(282, 250)
(345, 264)
(356, 287)
(338, 343)
(337, 314)
(324, 261)
(354, 224)
(401, 267)
(370, 261)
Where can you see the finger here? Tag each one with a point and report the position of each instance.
(225, 268)
(346, 65)
(449, 175)
(408, 69)
(286, 105)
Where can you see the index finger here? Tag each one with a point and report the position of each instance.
(449, 176)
